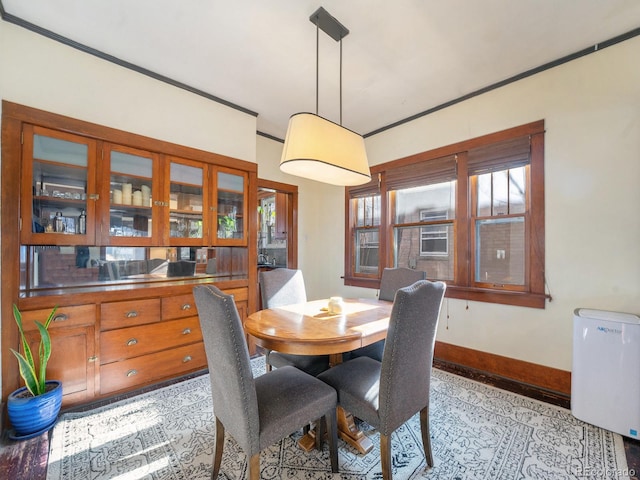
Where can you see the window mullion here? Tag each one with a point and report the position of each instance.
(389, 231)
(463, 246)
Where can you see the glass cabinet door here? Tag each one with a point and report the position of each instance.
(130, 193)
(186, 203)
(230, 207)
(58, 191)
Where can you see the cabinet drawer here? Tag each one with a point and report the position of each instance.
(155, 366)
(64, 317)
(239, 294)
(127, 314)
(135, 341)
(178, 306)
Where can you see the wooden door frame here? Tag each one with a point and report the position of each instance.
(292, 216)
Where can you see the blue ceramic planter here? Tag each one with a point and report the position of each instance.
(31, 415)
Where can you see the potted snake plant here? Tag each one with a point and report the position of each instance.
(34, 408)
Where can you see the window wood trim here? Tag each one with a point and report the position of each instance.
(465, 289)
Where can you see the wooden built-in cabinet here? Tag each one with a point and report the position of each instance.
(72, 333)
(128, 196)
(116, 229)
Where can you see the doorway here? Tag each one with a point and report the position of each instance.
(277, 225)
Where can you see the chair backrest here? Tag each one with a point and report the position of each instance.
(394, 278)
(282, 286)
(408, 353)
(235, 401)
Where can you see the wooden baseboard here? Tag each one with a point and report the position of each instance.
(530, 375)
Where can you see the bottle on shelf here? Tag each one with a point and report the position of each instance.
(82, 223)
(58, 223)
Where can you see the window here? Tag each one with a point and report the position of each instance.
(367, 235)
(366, 249)
(423, 227)
(499, 227)
(470, 214)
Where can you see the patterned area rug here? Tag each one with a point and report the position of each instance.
(479, 432)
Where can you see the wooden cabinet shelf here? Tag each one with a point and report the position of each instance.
(122, 208)
(53, 202)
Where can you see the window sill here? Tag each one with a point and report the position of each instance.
(519, 299)
(364, 282)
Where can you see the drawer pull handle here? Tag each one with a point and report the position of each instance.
(186, 306)
(186, 359)
(131, 314)
(131, 373)
(92, 359)
(61, 317)
(186, 331)
(131, 342)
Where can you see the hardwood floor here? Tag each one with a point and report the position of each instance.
(27, 459)
(24, 460)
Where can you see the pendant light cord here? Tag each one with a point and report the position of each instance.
(340, 81)
(317, 61)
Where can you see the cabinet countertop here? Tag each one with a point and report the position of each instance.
(57, 296)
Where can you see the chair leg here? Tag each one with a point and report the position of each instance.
(385, 456)
(426, 437)
(254, 467)
(217, 455)
(319, 434)
(331, 422)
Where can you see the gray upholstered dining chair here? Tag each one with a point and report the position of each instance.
(386, 394)
(394, 278)
(285, 286)
(256, 412)
(391, 280)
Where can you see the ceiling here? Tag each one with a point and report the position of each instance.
(401, 58)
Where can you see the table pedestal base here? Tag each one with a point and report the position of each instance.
(308, 441)
(347, 431)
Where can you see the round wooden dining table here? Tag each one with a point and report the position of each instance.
(311, 329)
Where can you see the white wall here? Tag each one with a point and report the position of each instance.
(591, 108)
(45, 74)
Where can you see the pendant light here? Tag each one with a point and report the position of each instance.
(318, 148)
